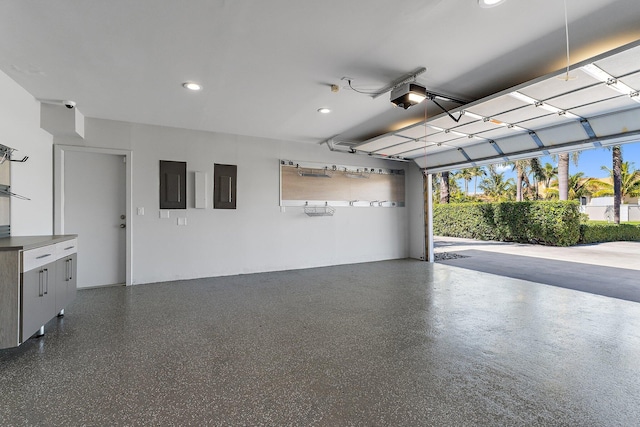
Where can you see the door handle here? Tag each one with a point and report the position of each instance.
(123, 225)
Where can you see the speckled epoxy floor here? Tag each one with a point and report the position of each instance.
(389, 343)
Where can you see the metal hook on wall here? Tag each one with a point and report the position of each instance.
(7, 152)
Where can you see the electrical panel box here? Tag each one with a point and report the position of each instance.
(173, 185)
(224, 186)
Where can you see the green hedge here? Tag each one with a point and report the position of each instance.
(551, 223)
(593, 232)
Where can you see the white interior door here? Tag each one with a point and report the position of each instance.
(94, 207)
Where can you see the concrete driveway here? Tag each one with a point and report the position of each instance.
(610, 269)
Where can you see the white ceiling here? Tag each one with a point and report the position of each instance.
(267, 66)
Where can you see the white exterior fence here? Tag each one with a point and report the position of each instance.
(605, 213)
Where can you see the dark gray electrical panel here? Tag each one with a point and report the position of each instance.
(224, 186)
(173, 185)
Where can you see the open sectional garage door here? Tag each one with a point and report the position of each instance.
(595, 104)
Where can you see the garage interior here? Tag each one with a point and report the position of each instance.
(263, 313)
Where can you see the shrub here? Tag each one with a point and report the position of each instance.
(552, 223)
(594, 232)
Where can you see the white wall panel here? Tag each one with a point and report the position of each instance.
(20, 129)
(257, 236)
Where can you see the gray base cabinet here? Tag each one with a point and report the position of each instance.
(37, 282)
(66, 284)
(38, 300)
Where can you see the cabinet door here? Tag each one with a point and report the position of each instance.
(224, 186)
(173, 185)
(66, 283)
(38, 298)
(32, 291)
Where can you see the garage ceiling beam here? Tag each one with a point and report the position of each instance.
(536, 139)
(587, 128)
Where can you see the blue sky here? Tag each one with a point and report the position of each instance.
(591, 161)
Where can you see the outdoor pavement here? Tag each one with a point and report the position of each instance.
(610, 269)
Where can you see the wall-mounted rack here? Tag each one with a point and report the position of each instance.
(7, 152)
(349, 186)
(325, 210)
(4, 191)
(356, 174)
(330, 169)
(315, 173)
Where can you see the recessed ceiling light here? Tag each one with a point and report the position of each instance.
(490, 3)
(192, 86)
(324, 110)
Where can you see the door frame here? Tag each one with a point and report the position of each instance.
(58, 194)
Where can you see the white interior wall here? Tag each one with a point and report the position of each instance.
(253, 238)
(257, 236)
(20, 129)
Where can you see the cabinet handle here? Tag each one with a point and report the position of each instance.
(46, 270)
(43, 256)
(70, 247)
(40, 283)
(69, 267)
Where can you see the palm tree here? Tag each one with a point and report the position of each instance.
(444, 187)
(496, 187)
(617, 178)
(517, 167)
(522, 169)
(577, 187)
(466, 175)
(563, 172)
(477, 171)
(563, 176)
(538, 174)
(435, 188)
(629, 182)
(548, 172)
